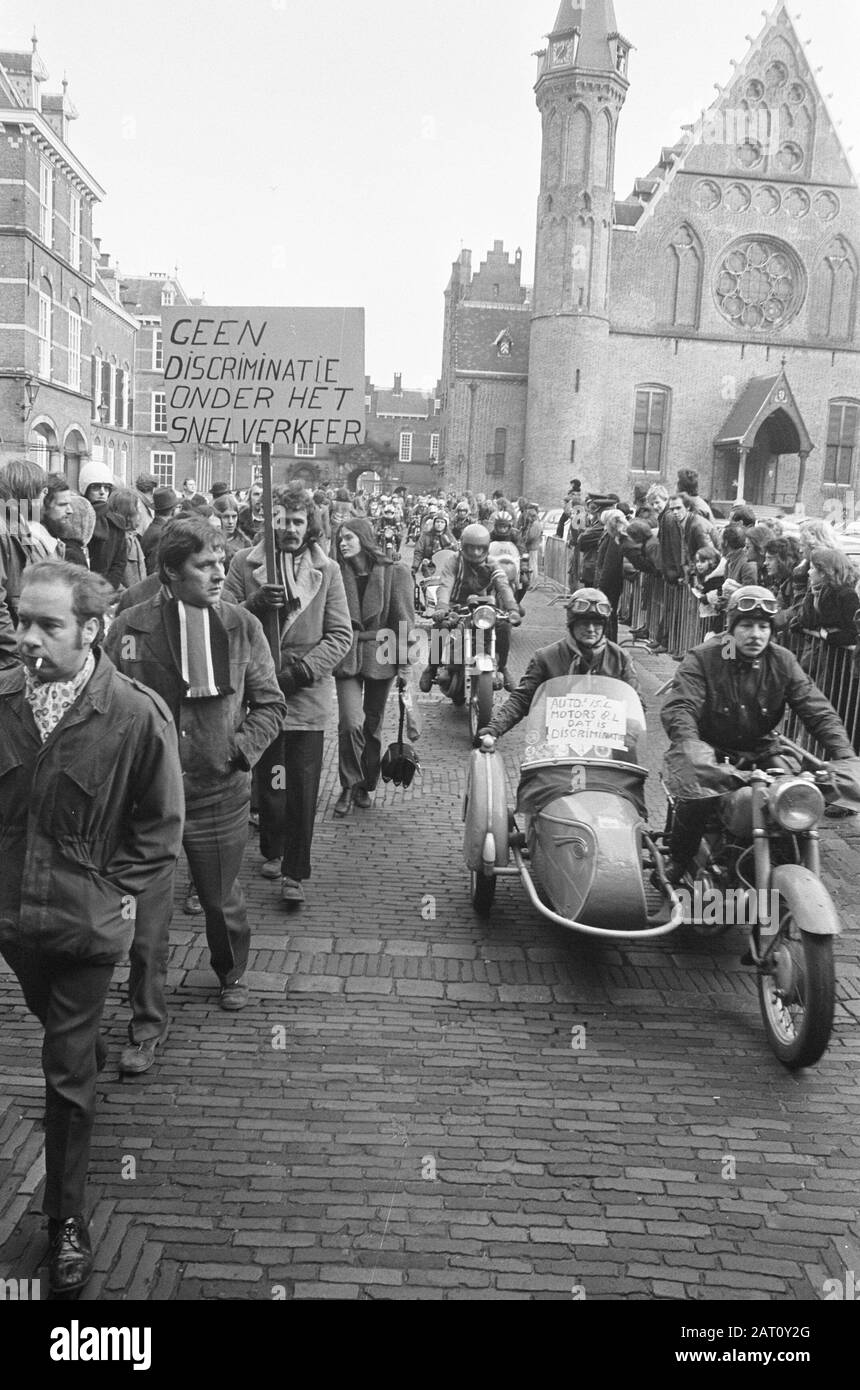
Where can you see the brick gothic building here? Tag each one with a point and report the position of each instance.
(709, 320)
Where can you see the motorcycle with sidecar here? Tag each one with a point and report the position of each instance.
(578, 841)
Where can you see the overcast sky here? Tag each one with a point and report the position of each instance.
(292, 152)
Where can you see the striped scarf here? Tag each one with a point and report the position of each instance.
(201, 649)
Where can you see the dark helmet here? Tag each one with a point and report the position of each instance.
(588, 603)
(751, 601)
(476, 536)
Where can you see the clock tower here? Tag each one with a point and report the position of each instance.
(580, 90)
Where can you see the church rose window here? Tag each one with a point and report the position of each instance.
(760, 284)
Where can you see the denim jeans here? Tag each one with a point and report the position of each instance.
(216, 833)
(361, 710)
(288, 784)
(68, 1000)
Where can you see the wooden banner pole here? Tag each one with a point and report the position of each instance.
(272, 623)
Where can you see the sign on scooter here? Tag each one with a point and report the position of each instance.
(579, 724)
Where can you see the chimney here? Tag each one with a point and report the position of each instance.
(398, 389)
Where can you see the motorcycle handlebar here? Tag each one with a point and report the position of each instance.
(810, 758)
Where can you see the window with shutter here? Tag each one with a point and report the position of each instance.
(105, 396)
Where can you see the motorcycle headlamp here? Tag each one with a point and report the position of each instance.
(484, 617)
(795, 804)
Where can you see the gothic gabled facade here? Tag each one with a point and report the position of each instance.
(709, 320)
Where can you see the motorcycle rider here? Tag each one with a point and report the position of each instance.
(430, 542)
(470, 575)
(585, 651)
(461, 519)
(388, 521)
(726, 702)
(506, 545)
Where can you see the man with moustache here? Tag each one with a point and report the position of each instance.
(210, 663)
(315, 634)
(90, 818)
(726, 703)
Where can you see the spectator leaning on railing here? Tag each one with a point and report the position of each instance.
(832, 600)
(781, 557)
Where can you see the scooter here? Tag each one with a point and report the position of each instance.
(588, 862)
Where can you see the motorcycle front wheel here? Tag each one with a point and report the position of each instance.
(482, 892)
(797, 994)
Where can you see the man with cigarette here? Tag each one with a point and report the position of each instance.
(90, 817)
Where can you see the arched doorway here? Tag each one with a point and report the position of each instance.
(368, 482)
(773, 463)
(42, 445)
(74, 453)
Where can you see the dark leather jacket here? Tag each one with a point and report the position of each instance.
(735, 705)
(563, 658)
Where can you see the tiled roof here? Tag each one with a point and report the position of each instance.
(142, 294)
(746, 408)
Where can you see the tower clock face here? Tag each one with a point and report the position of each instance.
(562, 52)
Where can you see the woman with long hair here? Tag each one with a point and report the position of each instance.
(757, 542)
(227, 508)
(832, 600)
(124, 508)
(781, 558)
(379, 597)
(814, 534)
(827, 621)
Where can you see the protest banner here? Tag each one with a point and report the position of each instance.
(249, 377)
(273, 378)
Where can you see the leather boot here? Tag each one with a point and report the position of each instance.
(70, 1262)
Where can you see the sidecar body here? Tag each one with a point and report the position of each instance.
(578, 839)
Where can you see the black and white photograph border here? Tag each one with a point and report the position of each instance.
(421, 1101)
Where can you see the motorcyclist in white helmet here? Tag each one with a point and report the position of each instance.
(469, 575)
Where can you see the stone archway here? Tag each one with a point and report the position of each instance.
(74, 454)
(42, 444)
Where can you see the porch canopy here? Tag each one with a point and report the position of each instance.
(763, 425)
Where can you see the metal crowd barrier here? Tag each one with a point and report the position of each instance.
(556, 560)
(666, 618)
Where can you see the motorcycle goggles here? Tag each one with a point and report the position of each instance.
(768, 607)
(580, 607)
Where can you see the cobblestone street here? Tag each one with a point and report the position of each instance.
(402, 1111)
